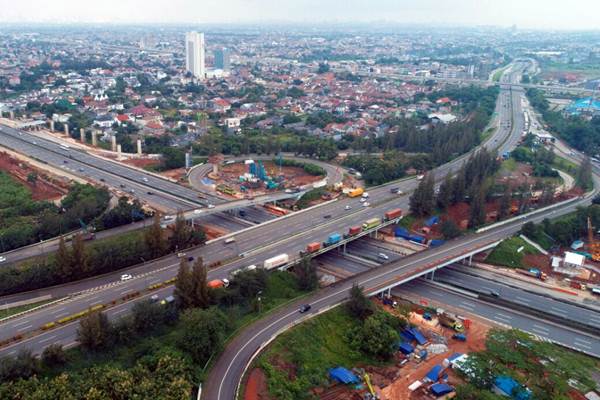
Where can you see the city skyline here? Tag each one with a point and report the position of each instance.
(529, 14)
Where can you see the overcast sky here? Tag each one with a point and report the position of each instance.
(545, 14)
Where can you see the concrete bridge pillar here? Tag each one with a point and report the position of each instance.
(94, 138)
(11, 114)
(139, 147)
(114, 143)
(66, 129)
(52, 125)
(118, 151)
(82, 135)
(470, 260)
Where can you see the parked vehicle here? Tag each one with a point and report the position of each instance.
(460, 336)
(126, 277)
(533, 272)
(277, 261)
(450, 321)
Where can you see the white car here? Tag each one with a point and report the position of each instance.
(211, 206)
(366, 204)
(383, 256)
(145, 179)
(2, 259)
(347, 207)
(363, 199)
(197, 211)
(126, 277)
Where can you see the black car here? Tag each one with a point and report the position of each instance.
(304, 308)
(191, 258)
(101, 179)
(122, 185)
(150, 192)
(327, 216)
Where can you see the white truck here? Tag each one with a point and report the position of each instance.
(276, 261)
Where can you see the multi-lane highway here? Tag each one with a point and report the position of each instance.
(253, 245)
(420, 290)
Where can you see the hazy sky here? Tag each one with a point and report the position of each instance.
(546, 14)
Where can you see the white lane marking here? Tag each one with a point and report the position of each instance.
(21, 323)
(522, 299)
(126, 291)
(48, 339)
(26, 327)
(61, 314)
(542, 328)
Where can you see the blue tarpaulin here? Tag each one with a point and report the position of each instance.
(436, 242)
(401, 232)
(434, 374)
(405, 348)
(440, 389)
(342, 375)
(418, 336)
(454, 356)
(416, 238)
(406, 337)
(432, 221)
(511, 388)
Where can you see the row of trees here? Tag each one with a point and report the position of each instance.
(81, 260)
(24, 221)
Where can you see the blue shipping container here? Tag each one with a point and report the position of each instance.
(436, 242)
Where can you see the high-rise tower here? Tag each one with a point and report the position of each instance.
(194, 54)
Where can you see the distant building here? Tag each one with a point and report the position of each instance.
(194, 54)
(587, 106)
(223, 59)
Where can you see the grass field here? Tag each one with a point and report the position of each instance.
(506, 253)
(310, 349)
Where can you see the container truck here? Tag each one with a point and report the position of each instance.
(218, 283)
(533, 272)
(312, 247)
(354, 230)
(276, 261)
(371, 223)
(356, 192)
(332, 239)
(393, 214)
(450, 321)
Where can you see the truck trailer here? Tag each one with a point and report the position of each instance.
(371, 223)
(393, 214)
(450, 321)
(332, 239)
(277, 261)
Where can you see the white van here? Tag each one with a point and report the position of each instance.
(230, 240)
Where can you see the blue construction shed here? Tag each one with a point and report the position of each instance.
(507, 386)
(406, 348)
(406, 336)
(418, 336)
(343, 375)
(402, 232)
(434, 373)
(440, 389)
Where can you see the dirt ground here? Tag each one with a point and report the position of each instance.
(292, 176)
(45, 188)
(414, 370)
(141, 162)
(256, 386)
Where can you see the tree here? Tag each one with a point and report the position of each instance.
(154, 239)
(200, 292)
(95, 331)
(460, 186)
(505, 203)
(182, 233)
(306, 273)
(203, 333)
(422, 200)
(79, 259)
(477, 217)
(63, 259)
(445, 196)
(184, 286)
(32, 178)
(584, 174)
(376, 336)
(359, 305)
(54, 355)
(147, 316)
(24, 365)
(450, 230)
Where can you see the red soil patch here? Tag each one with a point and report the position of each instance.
(141, 162)
(46, 187)
(176, 174)
(256, 386)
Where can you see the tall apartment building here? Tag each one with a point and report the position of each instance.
(222, 59)
(194, 54)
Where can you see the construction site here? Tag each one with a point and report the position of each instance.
(258, 177)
